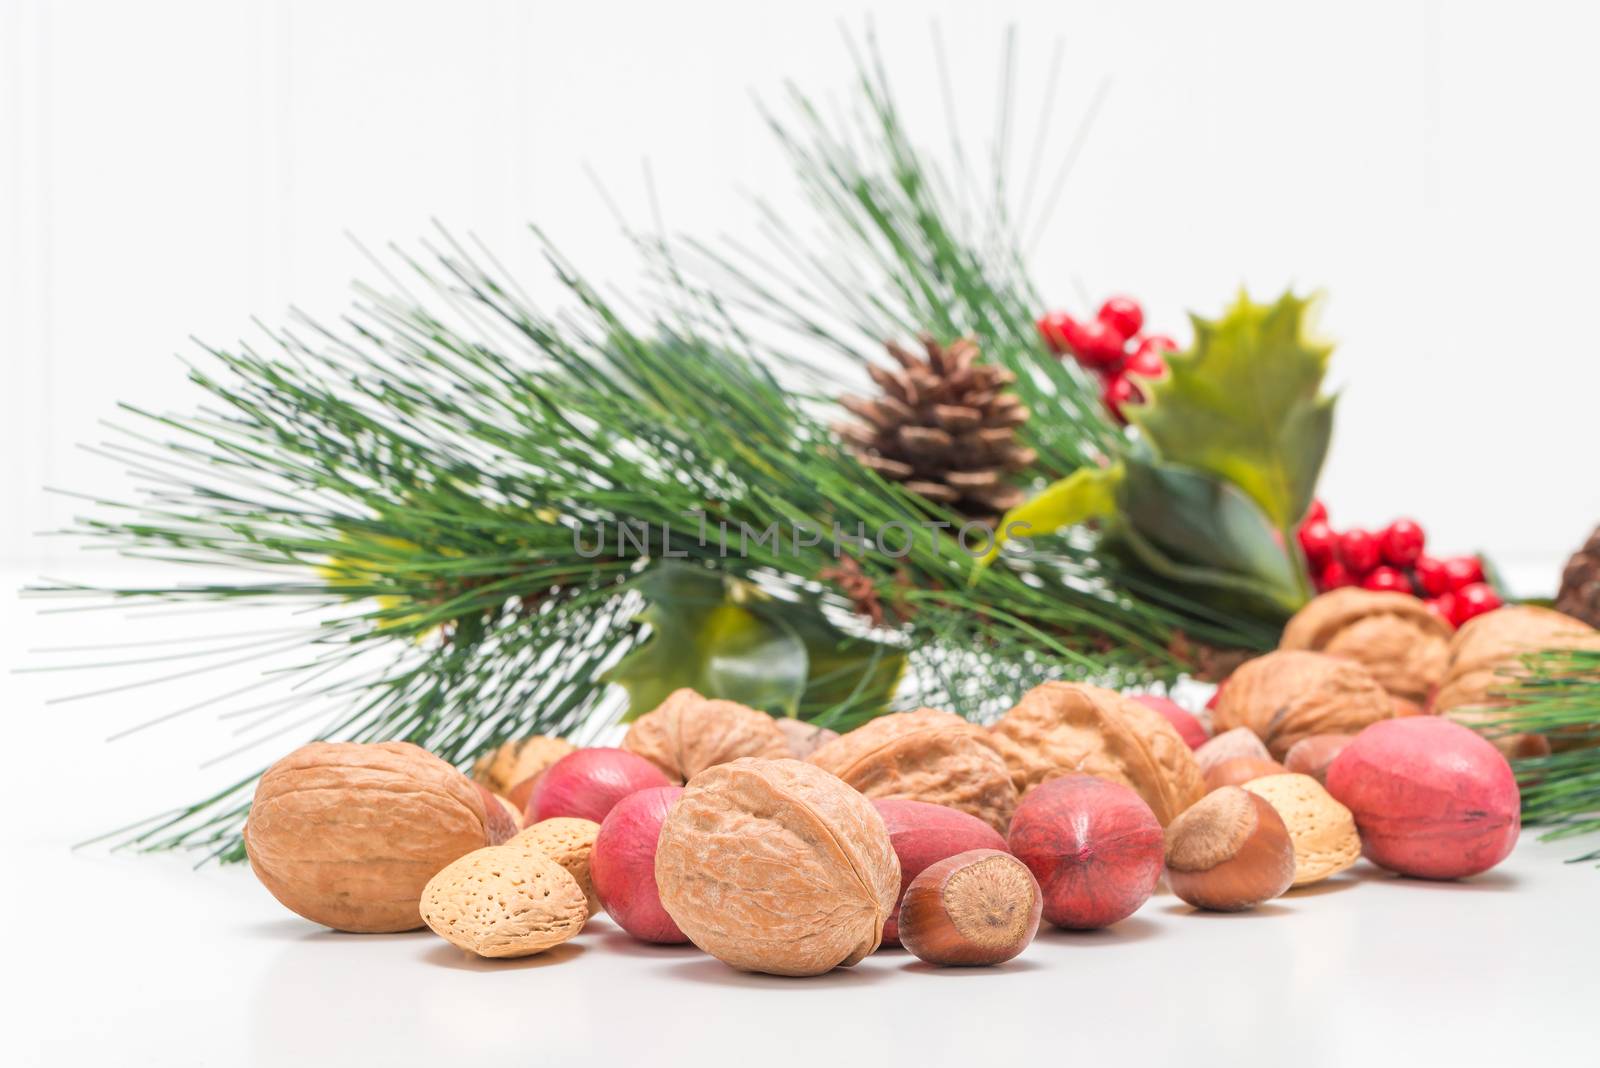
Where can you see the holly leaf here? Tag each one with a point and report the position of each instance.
(724, 638)
(702, 638)
(1197, 529)
(1087, 493)
(1245, 404)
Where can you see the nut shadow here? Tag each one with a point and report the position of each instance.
(300, 931)
(1343, 881)
(1489, 882)
(713, 972)
(1267, 909)
(1132, 929)
(1015, 966)
(616, 943)
(444, 955)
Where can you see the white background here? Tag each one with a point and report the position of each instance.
(172, 169)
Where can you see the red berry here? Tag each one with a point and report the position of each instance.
(1432, 576)
(1146, 362)
(1318, 542)
(1156, 343)
(1333, 576)
(1123, 315)
(1474, 599)
(1098, 345)
(1317, 513)
(1118, 392)
(1359, 550)
(1463, 571)
(1055, 328)
(1444, 606)
(1386, 578)
(1401, 542)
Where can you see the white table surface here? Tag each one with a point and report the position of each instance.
(113, 959)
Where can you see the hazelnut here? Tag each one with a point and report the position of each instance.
(978, 907)
(347, 834)
(1486, 652)
(926, 755)
(1393, 635)
(1322, 830)
(502, 768)
(1063, 728)
(1240, 770)
(922, 834)
(1287, 696)
(776, 866)
(804, 738)
(504, 902)
(569, 842)
(687, 733)
(1311, 756)
(1238, 742)
(1229, 852)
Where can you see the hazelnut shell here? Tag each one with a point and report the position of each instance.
(975, 908)
(1240, 770)
(1229, 852)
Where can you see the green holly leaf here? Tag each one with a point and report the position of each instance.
(725, 638)
(1088, 493)
(1194, 528)
(1245, 404)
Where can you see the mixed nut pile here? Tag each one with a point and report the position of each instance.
(780, 847)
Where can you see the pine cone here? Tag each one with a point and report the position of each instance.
(943, 427)
(1580, 583)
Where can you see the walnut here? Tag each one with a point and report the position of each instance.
(688, 734)
(777, 866)
(804, 738)
(1395, 636)
(926, 755)
(1061, 728)
(1289, 695)
(1485, 656)
(503, 901)
(347, 834)
(504, 767)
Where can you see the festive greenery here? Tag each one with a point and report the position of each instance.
(1558, 696)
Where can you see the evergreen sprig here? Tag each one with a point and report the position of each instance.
(425, 481)
(1557, 695)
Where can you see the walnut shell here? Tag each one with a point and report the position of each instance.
(804, 738)
(503, 901)
(926, 755)
(347, 834)
(1062, 728)
(1289, 695)
(688, 733)
(777, 866)
(504, 767)
(1485, 656)
(1395, 636)
(1323, 831)
(569, 842)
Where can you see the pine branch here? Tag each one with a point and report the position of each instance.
(1557, 695)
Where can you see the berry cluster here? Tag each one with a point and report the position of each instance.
(1393, 559)
(1111, 346)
